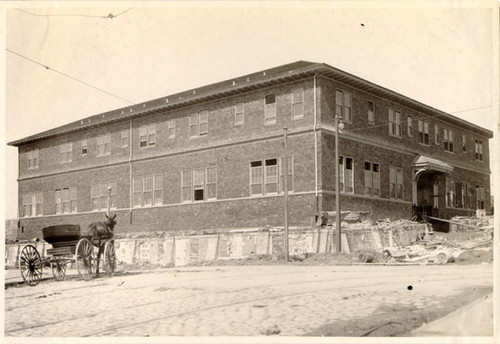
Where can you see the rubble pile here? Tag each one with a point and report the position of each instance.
(470, 241)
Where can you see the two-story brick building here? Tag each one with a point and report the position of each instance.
(212, 157)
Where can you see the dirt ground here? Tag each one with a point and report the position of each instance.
(398, 322)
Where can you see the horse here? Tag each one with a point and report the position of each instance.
(100, 230)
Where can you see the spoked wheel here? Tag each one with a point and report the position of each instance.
(30, 264)
(85, 260)
(109, 258)
(59, 269)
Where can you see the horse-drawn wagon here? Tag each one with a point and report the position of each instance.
(71, 245)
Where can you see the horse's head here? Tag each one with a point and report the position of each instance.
(110, 222)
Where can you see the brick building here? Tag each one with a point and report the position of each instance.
(212, 157)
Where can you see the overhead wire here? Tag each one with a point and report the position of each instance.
(109, 16)
(69, 76)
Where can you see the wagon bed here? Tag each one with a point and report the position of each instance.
(63, 239)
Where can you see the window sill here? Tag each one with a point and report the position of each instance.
(424, 144)
(398, 137)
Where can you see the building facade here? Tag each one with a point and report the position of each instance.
(213, 157)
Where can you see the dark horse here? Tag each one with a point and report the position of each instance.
(100, 230)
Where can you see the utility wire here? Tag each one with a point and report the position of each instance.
(109, 16)
(69, 76)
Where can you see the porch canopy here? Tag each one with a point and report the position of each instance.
(423, 163)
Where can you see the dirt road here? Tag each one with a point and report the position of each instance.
(245, 301)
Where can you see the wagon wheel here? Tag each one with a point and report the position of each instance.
(30, 264)
(85, 260)
(58, 269)
(109, 258)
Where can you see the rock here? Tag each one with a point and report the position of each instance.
(271, 330)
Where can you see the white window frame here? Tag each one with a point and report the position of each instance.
(104, 142)
(171, 129)
(66, 152)
(124, 139)
(396, 183)
(66, 198)
(395, 123)
(33, 159)
(480, 197)
(371, 112)
(297, 103)
(84, 148)
(270, 109)
(478, 150)
(448, 140)
(147, 136)
(343, 174)
(372, 178)
(198, 124)
(410, 126)
(256, 177)
(343, 105)
(423, 132)
(199, 179)
(32, 204)
(239, 113)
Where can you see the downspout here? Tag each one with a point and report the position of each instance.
(130, 142)
(315, 148)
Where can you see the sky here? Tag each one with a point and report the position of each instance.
(440, 53)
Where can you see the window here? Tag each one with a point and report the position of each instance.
(203, 123)
(66, 150)
(147, 135)
(171, 129)
(436, 134)
(270, 109)
(396, 188)
(66, 200)
(158, 189)
(423, 132)
(33, 159)
(124, 138)
(289, 180)
(343, 100)
(99, 196)
(211, 184)
(264, 176)
(103, 145)
(84, 147)
(394, 123)
(271, 176)
(297, 103)
(448, 140)
(346, 174)
(32, 204)
(198, 124)
(186, 184)
(480, 196)
(464, 144)
(371, 112)
(410, 126)
(256, 178)
(148, 191)
(372, 179)
(450, 192)
(479, 150)
(199, 184)
(239, 113)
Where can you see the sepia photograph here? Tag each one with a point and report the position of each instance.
(250, 172)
